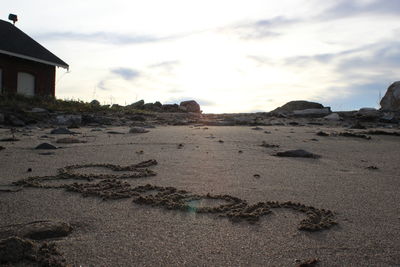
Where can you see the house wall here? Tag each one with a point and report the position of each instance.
(45, 75)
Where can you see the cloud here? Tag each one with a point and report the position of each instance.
(126, 73)
(260, 29)
(102, 85)
(345, 8)
(165, 64)
(103, 37)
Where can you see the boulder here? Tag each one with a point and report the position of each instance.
(95, 103)
(171, 108)
(191, 106)
(391, 100)
(368, 114)
(38, 110)
(69, 119)
(332, 117)
(45, 146)
(15, 121)
(138, 105)
(312, 112)
(298, 105)
(61, 131)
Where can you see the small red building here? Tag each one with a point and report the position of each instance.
(26, 67)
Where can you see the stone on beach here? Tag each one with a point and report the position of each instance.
(191, 106)
(61, 131)
(391, 100)
(138, 130)
(45, 146)
(297, 153)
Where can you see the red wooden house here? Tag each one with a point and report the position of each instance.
(26, 67)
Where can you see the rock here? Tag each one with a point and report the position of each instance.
(312, 112)
(69, 119)
(298, 105)
(138, 130)
(69, 140)
(297, 153)
(152, 107)
(171, 108)
(38, 110)
(368, 114)
(2, 119)
(332, 117)
(391, 100)
(2, 147)
(15, 121)
(95, 103)
(45, 146)
(138, 105)
(61, 131)
(191, 106)
(388, 117)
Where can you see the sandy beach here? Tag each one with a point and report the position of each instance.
(355, 178)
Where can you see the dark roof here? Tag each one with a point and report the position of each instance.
(16, 43)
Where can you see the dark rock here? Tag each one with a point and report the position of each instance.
(152, 107)
(321, 133)
(95, 103)
(298, 105)
(297, 153)
(391, 100)
(2, 118)
(191, 106)
(45, 146)
(9, 139)
(15, 121)
(114, 132)
(308, 263)
(2, 147)
(39, 110)
(137, 105)
(171, 108)
(69, 140)
(312, 112)
(61, 131)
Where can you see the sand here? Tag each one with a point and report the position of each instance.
(364, 200)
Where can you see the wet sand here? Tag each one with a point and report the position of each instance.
(122, 233)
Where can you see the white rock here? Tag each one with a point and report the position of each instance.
(332, 117)
(68, 119)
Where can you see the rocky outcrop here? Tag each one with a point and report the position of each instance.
(191, 106)
(391, 100)
(298, 105)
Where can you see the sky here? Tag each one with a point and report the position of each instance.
(228, 55)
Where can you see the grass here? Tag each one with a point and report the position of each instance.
(19, 102)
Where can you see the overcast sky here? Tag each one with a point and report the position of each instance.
(230, 56)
